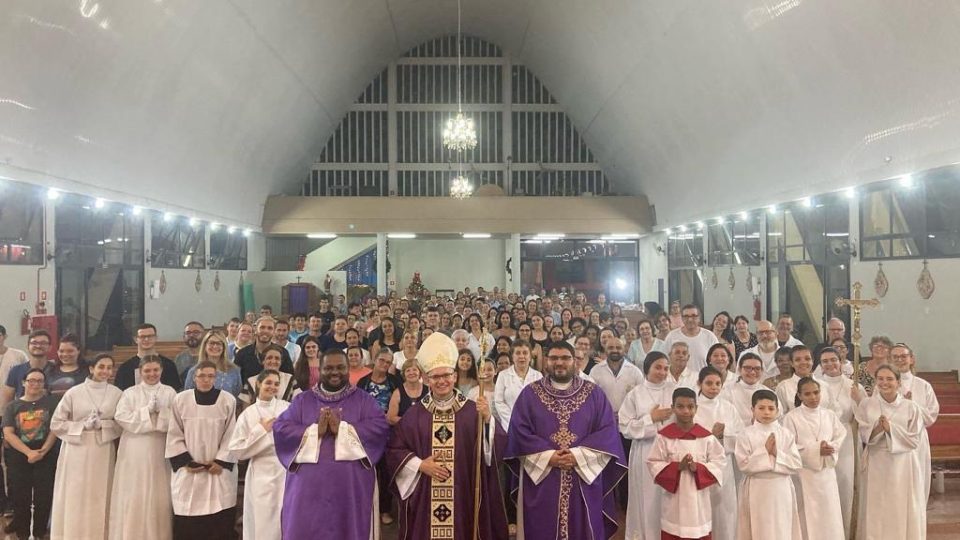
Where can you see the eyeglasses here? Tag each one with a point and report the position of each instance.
(34, 381)
(194, 333)
(751, 368)
(561, 358)
(39, 343)
(217, 343)
(444, 377)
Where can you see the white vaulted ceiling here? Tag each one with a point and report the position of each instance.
(208, 106)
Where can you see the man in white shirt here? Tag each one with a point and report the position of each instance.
(766, 348)
(785, 332)
(698, 339)
(680, 372)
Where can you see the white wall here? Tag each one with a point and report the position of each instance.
(449, 264)
(653, 266)
(736, 301)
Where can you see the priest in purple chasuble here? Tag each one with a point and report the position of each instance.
(564, 446)
(329, 440)
(432, 457)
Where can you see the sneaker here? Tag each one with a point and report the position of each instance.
(386, 518)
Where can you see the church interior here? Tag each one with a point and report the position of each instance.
(168, 161)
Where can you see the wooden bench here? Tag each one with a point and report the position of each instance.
(170, 349)
(937, 377)
(944, 447)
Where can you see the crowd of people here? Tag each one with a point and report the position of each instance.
(484, 410)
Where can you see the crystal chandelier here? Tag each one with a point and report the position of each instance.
(460, 187)
(459, 134)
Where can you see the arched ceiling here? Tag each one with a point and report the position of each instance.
(207, 107)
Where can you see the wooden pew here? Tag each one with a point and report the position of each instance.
(170, 349)
(944, 448)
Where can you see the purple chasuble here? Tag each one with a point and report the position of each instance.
(546, 418)
(414, 436)
(330, 499)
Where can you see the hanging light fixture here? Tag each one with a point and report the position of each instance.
(460, 187)
(459, 133)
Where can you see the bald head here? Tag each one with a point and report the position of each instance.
(835, 329)
(766, 333)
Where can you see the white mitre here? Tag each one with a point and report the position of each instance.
(437, 351)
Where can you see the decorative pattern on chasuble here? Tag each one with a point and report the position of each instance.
(442, 516)
(562, 404)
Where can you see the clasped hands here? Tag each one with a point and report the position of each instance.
(92, 421)
(563, 459)
(213, 467)
(328, 421)
(688, 464)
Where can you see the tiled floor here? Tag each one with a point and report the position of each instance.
(943, 515)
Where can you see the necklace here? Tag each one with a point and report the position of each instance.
(97, 404)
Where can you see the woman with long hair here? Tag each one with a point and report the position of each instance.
(287, 387)
(213, 348)
(466, 371)
(253, 439)
(307, 368)
(506, 326)
(388, 337)
(722, 327)
(525, 333)
(480, 339)
(538, 330)
(566, 315)
(84, 421)
(68, 370)
(408, 351)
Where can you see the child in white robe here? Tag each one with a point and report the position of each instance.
(920, 392)
(721, 418)
(767, 456)
(819, 435)
(894, 501)
(686, 460)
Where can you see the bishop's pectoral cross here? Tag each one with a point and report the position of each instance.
(856, 304)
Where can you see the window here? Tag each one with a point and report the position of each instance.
(921, 221)
(21, 224)
(735, 242)
(177, 244)
(817, 234)
(685, 249)
(97, 237)
(228, 251)
(591, 266)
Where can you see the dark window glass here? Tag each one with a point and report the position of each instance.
(21, 224)
(175, 243)
(228, 250)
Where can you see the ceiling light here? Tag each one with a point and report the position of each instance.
(699, 224)
(850, 192)
(460, 187)
(476, 235)
(533, 241)
(906, 181)
(167, 216)
(214, 226)
(720, 220)
(321, 236)
(53, 194)
(621, 236)
(99, 203)
(550, 235)
(772, 209)
(247, 232)
(620, 283)
(401, 235)
(596, 241)
(744, 215)
(231, 230)
(807, 202)
(193, 222)
(137, 210)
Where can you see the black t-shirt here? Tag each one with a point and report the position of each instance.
(250, 362)
(30, 419)
(327, 318)
(58, 382)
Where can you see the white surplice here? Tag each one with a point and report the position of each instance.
(81, 490)
(140, 506)
(787, 393)
(740, 395)
(894, 504)
(643, 504)
(835, 395)
(264, 482)
(820, 509)
(203, 431)
(768, 502)
(687, 513)
(921, 393)
(723, 497)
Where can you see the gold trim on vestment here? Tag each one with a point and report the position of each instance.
(442, 509)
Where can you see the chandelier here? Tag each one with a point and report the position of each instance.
(460, 187)
(459, 134)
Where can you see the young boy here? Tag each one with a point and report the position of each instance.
(685, 460)
(767, 455)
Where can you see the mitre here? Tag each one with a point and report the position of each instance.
(437, 351)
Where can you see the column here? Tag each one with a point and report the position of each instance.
(381, 264)
(512, 255)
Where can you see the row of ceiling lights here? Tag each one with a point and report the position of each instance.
(100, 203)
(906, 181)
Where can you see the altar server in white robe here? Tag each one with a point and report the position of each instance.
(84, 421)
(819, 435)
(253, 440)
(801, 358)
(740, 393)
(686, 461)
(920, 392)
(140, 506)
(839, 394)
(204, 481)
(718, 416)
(645, 410)
(894, 501)
(768, 458)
